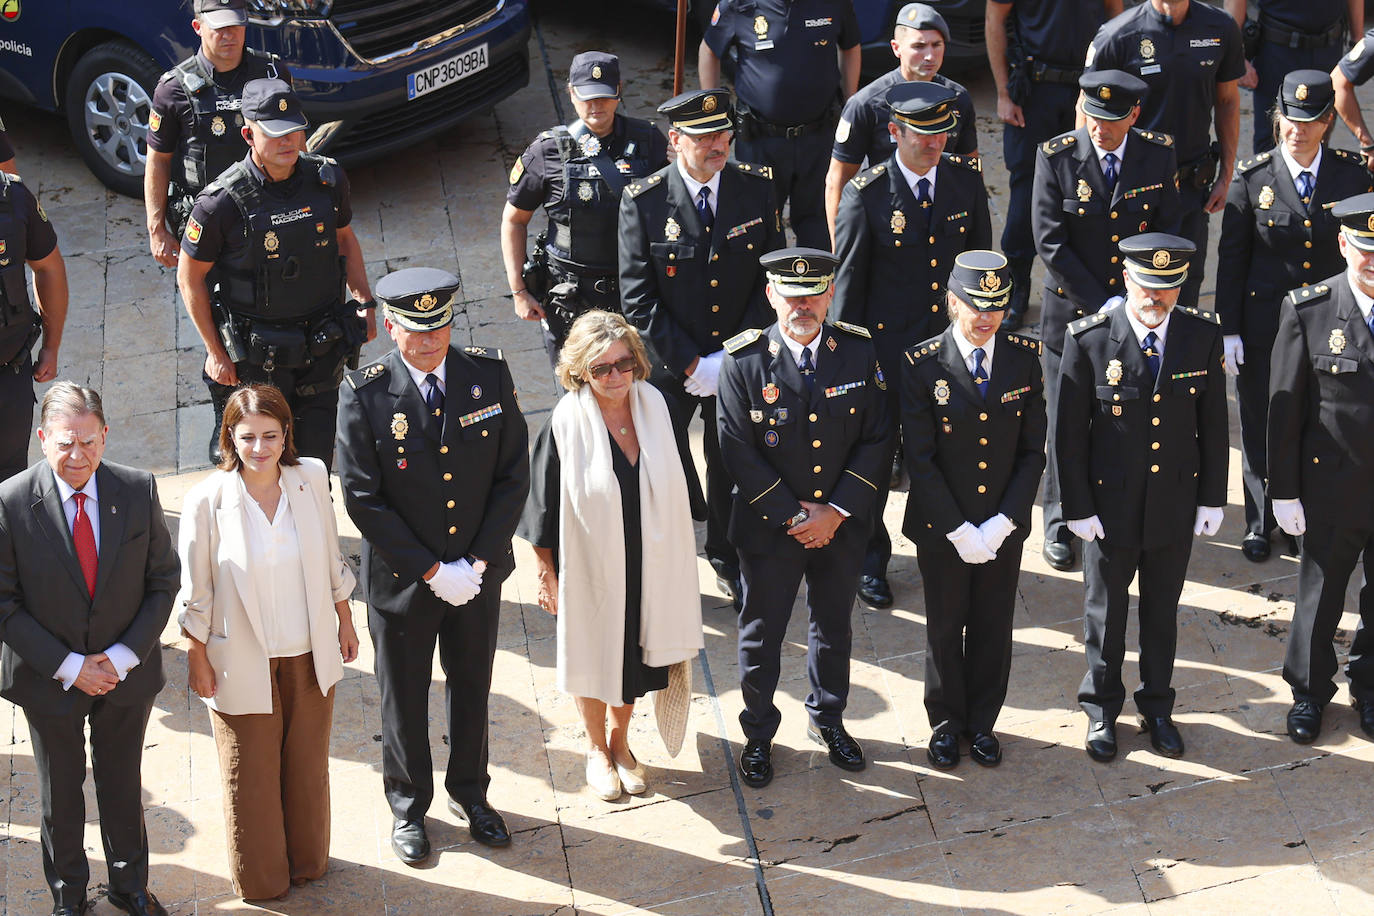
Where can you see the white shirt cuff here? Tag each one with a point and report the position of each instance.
(839, 510)
(123, 659)
(69, 670)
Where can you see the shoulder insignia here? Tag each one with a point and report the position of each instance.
(1058, 144)
(1030, 343)
(636, 188)
(360, 377)
(1156, 136)
(1249, 165)
(973, 163)
(1345, 154)
(753, 169)
(485, 352)
(742, 340)
(1210, 317)
(1309, 294)
(869, 175)
(1092, 321)
(855, 329)
(920, 351)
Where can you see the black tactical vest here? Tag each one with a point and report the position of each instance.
(17, 314)
(215, 142)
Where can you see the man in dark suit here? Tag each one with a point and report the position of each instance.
(690, 239)
(1141, 441)
(1321, 445)
(88, 572)
(975, 449)
(434, 469)
(898, 228)
(804, 434)
(1078, 215)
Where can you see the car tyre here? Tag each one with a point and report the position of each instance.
(109, 98)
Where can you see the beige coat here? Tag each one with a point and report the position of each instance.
(218, 602)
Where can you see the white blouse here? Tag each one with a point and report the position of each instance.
(274, 557)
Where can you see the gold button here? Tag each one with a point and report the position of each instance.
(1154, 469)
(813, 418)
(715, 333)
(983, 417)
(451, 504)
(1081, 211)
(443, 449)
(880, 325)
(934, 262)
(716, 257)
(672, 257)
(448, 476)
(1154, 421)
(962, 229)
(1192, 391)
(932, 240)
(898, 243)
(816, 493)
(815, 443)
(715, 282)
(1116, 397)
(400, 450)
(750, 246)
(1307, 222)
(1306, 265)
(853, 410)
(982, 489)
(452, 529)
(982, 442)
(936, 307)
(1146, 207)
(982, 465)
(934, 286)
(765, 518)
(1156, 399)
(1112, 282)
(1113, 214)
(484, 434)
(1307, 244)
(715, 308)
(1116, 238)
(816, 469)
(1154, 446)
(395, 575)
(1316, 460)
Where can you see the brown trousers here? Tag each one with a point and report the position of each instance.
(275, 768)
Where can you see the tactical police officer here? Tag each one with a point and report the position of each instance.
(1321, 445)
(919, 39)
(899, 226)
(194, 125)
(7, 163)
(1290, 35)
(1355, 69)
(576, 173)
(1189, 55)
(275, 229)
(791, 84)
(1277, 234)
(1035, 50)
(434, 472)
(26, 237)
(690, 239)
(1093, 186)
(804, 433)
(1141, 442)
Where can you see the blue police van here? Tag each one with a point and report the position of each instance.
(373, 75)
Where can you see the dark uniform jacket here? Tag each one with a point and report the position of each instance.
(1271, 243)
(1077, 224)
(781, 445)
(420, 494)
(686, 289)
(25, 235)
(1321, 406)
(970, 456)
(891, 277)
(1142, 455)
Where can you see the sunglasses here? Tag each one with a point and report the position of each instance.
(627, 364)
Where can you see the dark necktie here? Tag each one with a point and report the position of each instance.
(1369, 322)
(83, 536)
(1109, 171)
(704, 209)
(923, 198)
(1306, 184)
(1151, 354)
(434, 398)
(980, 375)
(808, 370)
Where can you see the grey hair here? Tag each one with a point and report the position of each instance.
(66, 398)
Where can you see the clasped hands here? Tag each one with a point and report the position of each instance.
(97, 676)
(457, 582)
(980, 543)
(819, 528)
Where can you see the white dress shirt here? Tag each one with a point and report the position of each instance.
(1140, 330)
(274, 556)
(912, 178)
(440, 372)
(1119, 153)
(1364, 302)
(694, 187)
(1294, 170)
(966, 349)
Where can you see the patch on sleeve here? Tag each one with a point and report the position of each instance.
(155, 120)
(842, 130)
(517, 170)
(193, 230)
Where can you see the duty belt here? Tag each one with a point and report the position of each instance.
(1284, 36)
(752, 123)
(1044, 73)
(601, 281)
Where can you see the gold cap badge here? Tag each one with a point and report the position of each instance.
(1301, 92)
(281, 106)
(708, 104)
(799, 266)
(596, 72)
(1104, 93)
(427, 302)
(990, 282)
(1161, 259)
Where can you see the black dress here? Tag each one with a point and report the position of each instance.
(539, 526)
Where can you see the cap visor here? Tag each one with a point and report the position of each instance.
(943, 126)
(1294, 113)
(280, 127)
(588, 91)
(793, 290)
(1104, 114)
(223, 19)
(1157, 281)
(1362, 242)
(431, 322)
(704, 125)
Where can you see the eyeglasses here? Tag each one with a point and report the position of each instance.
(627, 364)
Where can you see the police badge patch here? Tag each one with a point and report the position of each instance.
(217, 126)
(399, 425)
(270, 241)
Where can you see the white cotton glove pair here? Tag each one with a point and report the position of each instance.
(996, 530)
(456, 582)
(968, 540)
(705, 379)
(1288, 513)
(1234, 352)
(1089, 529)
(1208, 520)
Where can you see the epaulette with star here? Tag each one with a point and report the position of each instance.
(484, 352)
(1058, 144)
(921, 350)
(1210, 317)
(869, 175)
(972, 163)
(1030, 343)
(753, 169)
(1307, 295)
(857, 330)
(640, 185)
(360, 377)
(1345, 154)
(1249, 165)
(1092, 321)
(742, 340)
(1157, 137)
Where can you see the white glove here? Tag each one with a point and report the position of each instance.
(1208, 520)
(1089, 529)
(456, 582)
(969, 543)
(996, 530)
(1235, 353)
(705, 379)
(1288, 513)
(1112, 303)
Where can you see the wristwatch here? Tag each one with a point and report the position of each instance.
(797, 519)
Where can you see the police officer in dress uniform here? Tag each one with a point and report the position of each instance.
(804, 433)
(1035, 50)
(899, 226)
(275, 229)
(434, 472)
(1093, 186)
(26, 237)
(1321, 447)
(1141, 441)
(1290, 35)
(576, 173)
(1189, 54)
(919, 39)
(791, 83)
(1354, 70)
(690, 239)
(1277, 234)
(973, 420)
(194, 125)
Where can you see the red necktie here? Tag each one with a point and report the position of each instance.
(84, 537)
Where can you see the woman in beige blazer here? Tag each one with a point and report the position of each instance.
(264, 605)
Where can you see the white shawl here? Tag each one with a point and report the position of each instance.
(591, 538)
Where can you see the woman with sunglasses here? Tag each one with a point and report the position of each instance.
(611, 525)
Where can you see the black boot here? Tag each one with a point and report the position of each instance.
(1020, 293)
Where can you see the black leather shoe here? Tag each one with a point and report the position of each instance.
(63, 910)
(875, 592)
(984, 748)
(1101, 742)
(409, 841)
(140, 902)
(1366, 713)
(1059, 555)
(1255, 548)
(756, 763)
(1164, 735)
(485, 823)
(943, 750)
(845, 752)
(729, 585)
(1304, 721)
